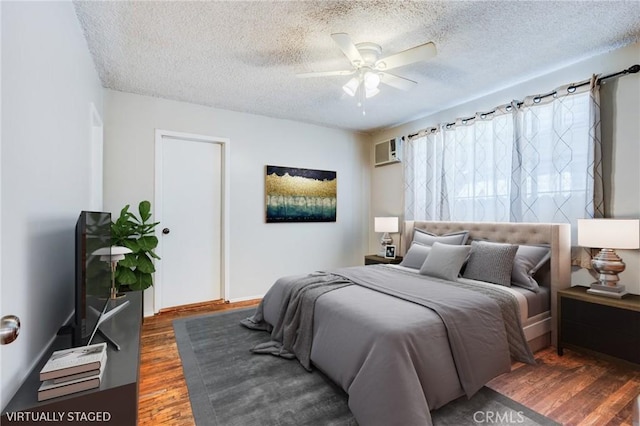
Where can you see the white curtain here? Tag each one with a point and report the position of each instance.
(533, 161)
(477, 167)
(425, 197)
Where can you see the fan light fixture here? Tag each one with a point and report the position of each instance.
(370, 93)
(370, 70)
(369, 81)
(351, 87)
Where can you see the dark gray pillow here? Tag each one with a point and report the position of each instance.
(491, 262)
(445, 260)
(427, 238)
(528, 260)
(415, 256)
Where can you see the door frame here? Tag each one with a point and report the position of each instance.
(225, 145)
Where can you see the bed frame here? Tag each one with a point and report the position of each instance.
(542, 332)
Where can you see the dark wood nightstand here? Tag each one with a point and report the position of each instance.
(372, 259)
(600, 324)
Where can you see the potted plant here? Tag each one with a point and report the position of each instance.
(136, 233)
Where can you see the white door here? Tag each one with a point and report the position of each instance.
(190, 193)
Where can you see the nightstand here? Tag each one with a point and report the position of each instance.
(600, 324)
(373, 259)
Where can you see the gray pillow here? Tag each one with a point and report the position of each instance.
(444, 261)
(491, 262)
(427, 238)
(415, 256)
(528, 260)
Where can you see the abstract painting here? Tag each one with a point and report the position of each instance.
(300, 195)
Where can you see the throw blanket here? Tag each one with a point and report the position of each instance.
(466, 316)
(509, 309)
(292, 335)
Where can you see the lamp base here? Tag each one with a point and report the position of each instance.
(614, 291)
(114, 295)
(607, 287)
(612, 294)
(608, 265)
(384, 242)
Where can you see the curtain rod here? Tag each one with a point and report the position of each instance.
(631, 70)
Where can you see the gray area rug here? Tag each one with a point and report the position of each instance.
(230, 386)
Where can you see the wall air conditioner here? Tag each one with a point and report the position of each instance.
(388, 152)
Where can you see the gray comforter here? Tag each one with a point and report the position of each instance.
(395, 359)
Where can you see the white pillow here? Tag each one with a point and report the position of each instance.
(445, 261)
(415, 256)
(427, 238)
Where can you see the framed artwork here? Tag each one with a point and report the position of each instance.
(390, 252)
(300, 195)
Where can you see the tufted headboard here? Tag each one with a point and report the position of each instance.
(557, 235)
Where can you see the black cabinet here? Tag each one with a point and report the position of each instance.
(597, 323)
(114, 403)
(374, 259)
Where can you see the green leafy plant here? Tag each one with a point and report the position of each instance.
(137, 234)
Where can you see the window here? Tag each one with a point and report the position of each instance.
(532, 163)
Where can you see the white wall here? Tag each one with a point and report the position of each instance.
(48, 83)
(260, 252)
(620, 109)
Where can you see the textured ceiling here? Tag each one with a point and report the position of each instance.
(244, 56)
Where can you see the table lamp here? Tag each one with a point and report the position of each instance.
(112, 255)
(385, 225)
(608, 235)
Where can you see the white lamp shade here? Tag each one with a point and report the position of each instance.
(351, 87)
(609, 233)
(112, 254)
(370, 93)
(386, 224)
(371, 80)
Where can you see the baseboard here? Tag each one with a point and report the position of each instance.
(244, 299)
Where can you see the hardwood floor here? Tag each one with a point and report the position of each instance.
(163, 396)
(575, 389)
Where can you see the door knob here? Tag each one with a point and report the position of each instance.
(9, 329)
(166, 231)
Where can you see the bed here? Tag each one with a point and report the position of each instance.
(540, 329)
(401, 342)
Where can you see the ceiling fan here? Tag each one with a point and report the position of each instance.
(370, 69)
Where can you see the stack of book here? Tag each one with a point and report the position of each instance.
(73, 370)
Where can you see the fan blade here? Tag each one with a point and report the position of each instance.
(325, 73)
(348, 48)
(397, 81)
(406, 57)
